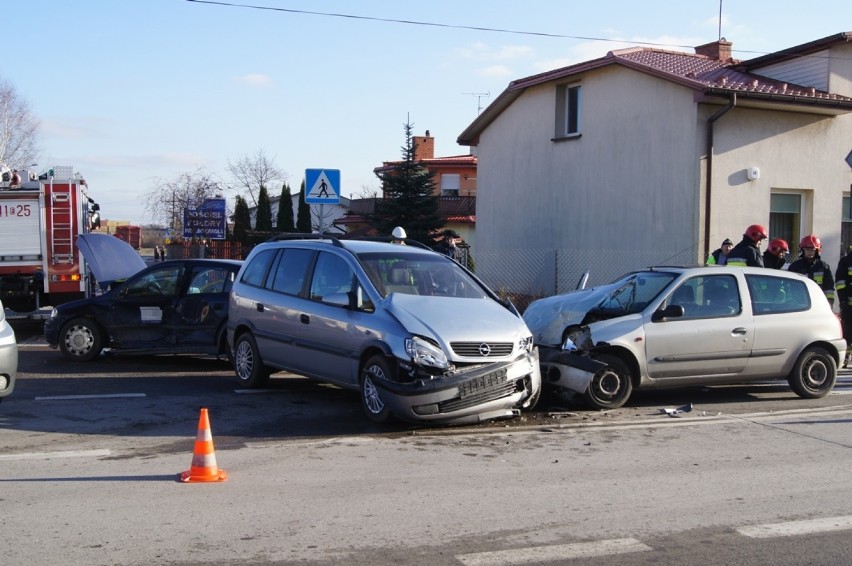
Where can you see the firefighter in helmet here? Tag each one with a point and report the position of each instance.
(811, 264)
(843, 284)
(775, 255)
(747, 252)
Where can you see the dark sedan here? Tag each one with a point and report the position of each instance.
(178, 306)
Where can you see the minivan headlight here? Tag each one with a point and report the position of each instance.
(425, 353)
(525, 344)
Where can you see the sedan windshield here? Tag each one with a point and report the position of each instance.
(419, 274)
(633, 292)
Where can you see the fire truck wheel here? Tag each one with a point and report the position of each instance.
(80, 340)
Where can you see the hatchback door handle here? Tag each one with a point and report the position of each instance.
(260, 307)
(739, 330)
(305, 319)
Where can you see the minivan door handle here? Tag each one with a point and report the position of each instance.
(260, 307)
(305, 319)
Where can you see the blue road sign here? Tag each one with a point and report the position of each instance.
(322, 186)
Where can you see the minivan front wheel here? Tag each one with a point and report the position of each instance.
(376, 368)
(248, 365)
(814, 374)
(611, 386)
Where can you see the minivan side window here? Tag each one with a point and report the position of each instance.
(289, 275)
(332, 275)
(255, 272)
(770, 295)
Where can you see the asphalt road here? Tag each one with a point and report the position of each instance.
(91, 454)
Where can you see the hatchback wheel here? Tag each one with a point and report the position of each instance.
(248, 365)
(80, 340)
(376, 368)
(814, 374)
(611, 386)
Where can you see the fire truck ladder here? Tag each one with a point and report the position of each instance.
(62, 217)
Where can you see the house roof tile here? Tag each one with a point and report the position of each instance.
(704, 74)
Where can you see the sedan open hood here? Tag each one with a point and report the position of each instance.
(109, 258)
(547, 318)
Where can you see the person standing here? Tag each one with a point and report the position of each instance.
(843, 284)
(747, 252)
(775, 255)
(720, 255)
(811, 265)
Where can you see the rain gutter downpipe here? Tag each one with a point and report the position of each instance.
(709, 173)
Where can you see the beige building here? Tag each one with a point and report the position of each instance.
(647, 156)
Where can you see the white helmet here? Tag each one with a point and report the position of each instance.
(399, 233)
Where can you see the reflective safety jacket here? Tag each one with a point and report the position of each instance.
(818, 271)
(843, 281)
(745, 254)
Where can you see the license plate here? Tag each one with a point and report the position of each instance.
(482, 383)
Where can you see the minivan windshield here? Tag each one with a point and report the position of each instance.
(419, 274)
(633, 292)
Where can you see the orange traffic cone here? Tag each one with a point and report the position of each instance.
(203, 457)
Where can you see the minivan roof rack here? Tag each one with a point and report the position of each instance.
(304, 236)
(407, 241)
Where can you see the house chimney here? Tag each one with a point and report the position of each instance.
(424, 147)
(720, 50)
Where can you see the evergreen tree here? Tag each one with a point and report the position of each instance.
(303, 217)
(408, 200)
(284, 221)
(242, 220)
(263, 222)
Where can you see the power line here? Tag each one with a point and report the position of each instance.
(478, 28)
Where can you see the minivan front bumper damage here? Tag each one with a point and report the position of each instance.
(467, 395)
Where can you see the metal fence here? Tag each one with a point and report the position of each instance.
(526, 275)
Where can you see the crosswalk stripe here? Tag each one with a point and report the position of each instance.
(536, 554)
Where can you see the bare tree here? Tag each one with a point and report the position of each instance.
(253, 172)
(168, 198)
(18, 128)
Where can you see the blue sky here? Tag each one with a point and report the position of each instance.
(131, 91)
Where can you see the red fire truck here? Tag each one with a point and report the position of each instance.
(40, 218)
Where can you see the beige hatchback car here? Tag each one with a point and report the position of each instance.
(673, 326)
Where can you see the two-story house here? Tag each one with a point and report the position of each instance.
(647, 156)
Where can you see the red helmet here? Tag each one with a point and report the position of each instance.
(810, 241)
(777, 246)
(757, 232)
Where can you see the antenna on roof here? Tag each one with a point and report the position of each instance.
(478, 96)
(720, 20)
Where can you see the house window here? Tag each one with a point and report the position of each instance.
(450, 184)
(846, 225)
(568, 111)
(785, 218)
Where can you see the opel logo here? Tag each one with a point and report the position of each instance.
(484, 349)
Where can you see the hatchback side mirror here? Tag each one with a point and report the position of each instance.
(671, 311)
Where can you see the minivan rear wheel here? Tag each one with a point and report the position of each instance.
(611, 386)
(814, 374)
(377, 368)
(248, 365)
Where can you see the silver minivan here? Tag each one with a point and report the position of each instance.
(418, 335)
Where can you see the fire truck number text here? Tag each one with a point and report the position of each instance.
(15, 210)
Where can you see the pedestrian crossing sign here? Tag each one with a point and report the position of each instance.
(322, 186)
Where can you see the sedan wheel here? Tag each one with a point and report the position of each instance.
(248, 365)
(611, 386)
(814, 374)
(376, 368)
(80, 340)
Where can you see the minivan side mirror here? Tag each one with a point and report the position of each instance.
(671, 311)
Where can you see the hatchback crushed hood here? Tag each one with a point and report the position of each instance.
(547, 318)
(109, 258)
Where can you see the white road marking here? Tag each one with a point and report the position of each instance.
(103, 396)
(537, 554)
(52, 455)
(793, 528)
